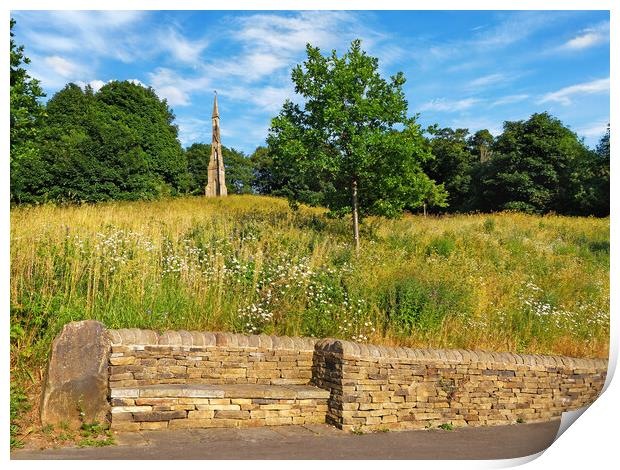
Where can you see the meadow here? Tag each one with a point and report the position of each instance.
(250, 264)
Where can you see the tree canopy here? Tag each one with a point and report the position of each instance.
(531, 168)
(351, 145)
(118, 143)
(452, 165)
(26, 113)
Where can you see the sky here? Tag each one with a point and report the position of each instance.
(466, 69)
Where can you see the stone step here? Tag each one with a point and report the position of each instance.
(166, 406)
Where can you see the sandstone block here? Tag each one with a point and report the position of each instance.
(232, 414)
(201, 414)
(77, 375)
(153, 425)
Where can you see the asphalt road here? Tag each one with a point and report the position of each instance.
(316, 442)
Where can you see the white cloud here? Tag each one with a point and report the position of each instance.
(87, 33)
(594, 130)
(273, 43)
(510, 99)
(193, 130)
(174, 95)
(515, 27)
(174, 88)
(181, 48)
(564, 95)
(442, 104)
(473, 51)
(488, 80)
(61, 66)
(250, 67)
(97, 84)
(52, 42)
(589, 37)
(266, 98)
(94, 84)
(56, 71)
(292, 33)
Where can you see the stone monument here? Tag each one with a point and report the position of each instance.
(216, 183)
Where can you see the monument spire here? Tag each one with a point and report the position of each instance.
(216, 182)
(216, 112)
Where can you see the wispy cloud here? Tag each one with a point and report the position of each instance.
(55, 71)
(565, 95)
(94, 33)
(513, 28)
(589, 37)
(193, 129)
(444, 105)
(181, 48)
(94, 84)
(174, 88)
(594, 130)
(267, 98)
(62, 66)
(488, 80)
(510, 99)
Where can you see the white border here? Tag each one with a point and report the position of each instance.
(589, 444)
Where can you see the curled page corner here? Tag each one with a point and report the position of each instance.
(568, 418)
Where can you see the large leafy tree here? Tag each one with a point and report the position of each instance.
(26, 113)
(532, 167)
(351, 145)
(266, 179)
(591, 181)
(118, 143)
(452, 164)
(239, 169)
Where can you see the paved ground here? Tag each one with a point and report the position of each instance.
(317, 442)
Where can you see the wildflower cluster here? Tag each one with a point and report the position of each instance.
(585, 314)
(116, 247)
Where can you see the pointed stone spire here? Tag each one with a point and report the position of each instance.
(216, 183)
(216, 112)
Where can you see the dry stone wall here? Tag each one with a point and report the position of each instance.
(142, 357)
(374, 387)
(209, 406)
(183, 379)
(140, 379)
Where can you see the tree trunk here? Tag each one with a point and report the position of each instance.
(354, 213)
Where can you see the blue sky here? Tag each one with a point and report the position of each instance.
(464, 69)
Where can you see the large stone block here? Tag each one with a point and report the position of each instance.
(76, 380)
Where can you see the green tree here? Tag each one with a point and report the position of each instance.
(452, 164)
(26, 113)
(591, 181)
(351, 143)
(532, 167)
(265, 180)
(118, 143)
(238, 169)
(197, 156)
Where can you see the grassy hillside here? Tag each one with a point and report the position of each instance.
(506, 282)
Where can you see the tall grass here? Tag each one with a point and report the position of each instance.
(249, 264)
